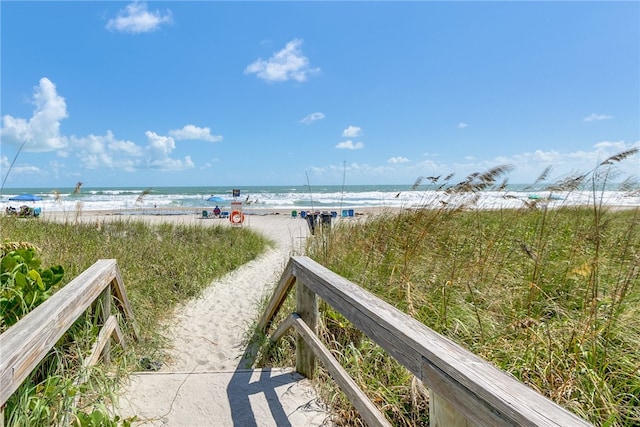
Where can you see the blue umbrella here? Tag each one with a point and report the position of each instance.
(25, 198)
(215, 199)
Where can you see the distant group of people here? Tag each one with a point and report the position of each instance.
(23, 211)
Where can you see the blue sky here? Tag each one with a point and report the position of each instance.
(270, 93)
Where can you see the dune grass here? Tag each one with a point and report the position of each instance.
(161, 265)
(551, 296)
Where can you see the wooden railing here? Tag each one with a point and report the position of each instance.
(464, 389)
(26, 343)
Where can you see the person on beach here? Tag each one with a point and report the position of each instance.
(216, 211)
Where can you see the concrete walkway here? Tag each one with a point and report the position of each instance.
(269, 397)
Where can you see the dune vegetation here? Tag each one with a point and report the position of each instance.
(551, 296)
(161, 266)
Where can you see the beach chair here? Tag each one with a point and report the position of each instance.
(294, 214)
(205, 214)
(224, 214)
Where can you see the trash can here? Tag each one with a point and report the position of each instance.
(326, 220)
(311, 222)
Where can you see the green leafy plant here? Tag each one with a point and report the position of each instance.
(23, 283)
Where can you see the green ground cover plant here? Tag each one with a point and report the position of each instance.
(161, 265)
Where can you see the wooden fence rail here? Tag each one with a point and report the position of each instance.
(26, 343)
(464, 389)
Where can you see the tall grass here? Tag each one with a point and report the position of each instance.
(551, 296)
(161, 265)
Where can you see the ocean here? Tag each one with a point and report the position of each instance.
(312, 198)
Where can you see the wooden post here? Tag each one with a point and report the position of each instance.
(444, 414)
(104, 311)
(307, 308)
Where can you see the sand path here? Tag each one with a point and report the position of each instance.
(209, 333)
(207, 382)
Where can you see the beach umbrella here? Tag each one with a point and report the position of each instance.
(25, 198)
(215, 199)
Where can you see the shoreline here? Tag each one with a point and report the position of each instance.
(196, 212)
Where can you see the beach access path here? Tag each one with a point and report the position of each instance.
(207, 382)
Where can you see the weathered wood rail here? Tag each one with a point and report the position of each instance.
(26, 343)
(464, 389)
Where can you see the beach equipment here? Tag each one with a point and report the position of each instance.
(205, 214)
(25, 211)
(237, 217)
(25, 198)
(215, 199)
(294, 214)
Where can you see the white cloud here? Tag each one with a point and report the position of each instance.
(159, 151)
(42, 130)
(125, 147)
(396, 160)
(462, 125)
(287, 64)
(105, 151)
(549, 157)
(350, 145)
(42, 134)
(596, 117)
(312, 118)
(135, 18)
(160, 146)
(168, 164)
(352, 132)
(97, 151)
(529, 165)
(362, 170)
(192, 132)
(20, 169)
(617, 146)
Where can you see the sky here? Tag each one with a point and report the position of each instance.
(242, 93)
